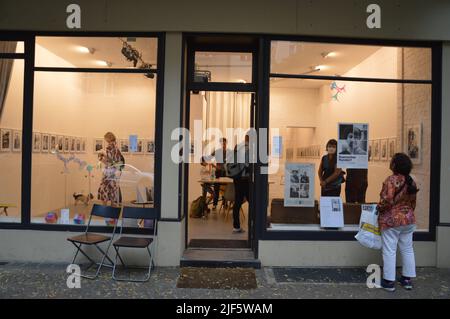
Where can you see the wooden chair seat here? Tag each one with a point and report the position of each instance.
(89, 239)
(133, 242)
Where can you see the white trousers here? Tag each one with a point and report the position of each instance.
(403, 237)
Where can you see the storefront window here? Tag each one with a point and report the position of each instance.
(11, 106)
(380, 119)
(93, 137)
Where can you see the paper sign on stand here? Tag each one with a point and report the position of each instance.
(65, 216)
(331, 212)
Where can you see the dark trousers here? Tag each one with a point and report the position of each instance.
(331, 192)
(216, 193)
(241, 191)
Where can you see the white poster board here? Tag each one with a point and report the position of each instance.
(331, 212)
(299, 184)
(353, 139)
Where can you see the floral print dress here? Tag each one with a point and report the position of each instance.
(109, 189)
(396, 206)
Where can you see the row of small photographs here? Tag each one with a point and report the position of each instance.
(382, 149)
(143, 146)
(309, 151)
(10, 140)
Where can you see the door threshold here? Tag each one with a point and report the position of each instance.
(213, 257)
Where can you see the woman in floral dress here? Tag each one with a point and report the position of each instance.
(112, 159)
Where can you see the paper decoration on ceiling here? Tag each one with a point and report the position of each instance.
(338, 90)
(71, 158)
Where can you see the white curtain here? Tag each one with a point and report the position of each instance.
(5, 70)
(224, 110)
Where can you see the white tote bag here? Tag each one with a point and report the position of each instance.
(369, 232)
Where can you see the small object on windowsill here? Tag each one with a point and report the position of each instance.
(51, 218)
(79, 219)
(110, 221)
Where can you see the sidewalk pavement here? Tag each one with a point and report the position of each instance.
(29, 280)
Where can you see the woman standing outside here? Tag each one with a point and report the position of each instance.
(397, 222)
(330, 176)
(113, 160)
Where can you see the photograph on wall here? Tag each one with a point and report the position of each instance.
(78, 145)
(53, 143)
(376, 150)
(277, 148)
(140, 146)
(331, 212)
(150, 147)
(370, 158)
(352, 145)
(36, 142)
(83, 145)
(6, 139)
(299, 184)
(98, 145)
(413, 142)
(17, 141)
(392, 147)
(60, 142)
(45, 143)
(72, 144)
(384, 149)
(66, 144)
(124, 146)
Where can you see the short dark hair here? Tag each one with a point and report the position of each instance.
(401, 164)
(331, 142)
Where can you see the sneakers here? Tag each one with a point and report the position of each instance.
(238, 230)
(406, 283)
(387, 285)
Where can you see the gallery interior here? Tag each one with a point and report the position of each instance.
(74, 110)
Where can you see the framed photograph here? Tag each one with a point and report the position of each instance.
(66, 144)
(384, 149)
(45, 143)
(83, 145)
(413, 142)
(124, 146)
(5, 140)
(17, 141)
(53, 143)
(140, 146)
(370, 154)
(98, 145)
(299, 184)
(376, 150)
(392, 147)
(60, 143)
(72, 144)
(77, 145)
(150, 147)
(37, 142)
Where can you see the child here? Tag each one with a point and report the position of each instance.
(397, 222)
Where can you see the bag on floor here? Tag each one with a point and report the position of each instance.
(369, 234)
(198, 207)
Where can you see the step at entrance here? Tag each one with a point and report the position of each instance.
(198, 257)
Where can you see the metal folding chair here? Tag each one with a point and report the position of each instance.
(92, 239)
(136, 242)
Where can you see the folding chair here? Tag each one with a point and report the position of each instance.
(136, 242)
(92, 239)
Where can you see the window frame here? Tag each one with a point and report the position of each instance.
(29, 39)
(261, 181)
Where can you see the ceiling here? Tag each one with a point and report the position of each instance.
(286, 57)
(107, 49)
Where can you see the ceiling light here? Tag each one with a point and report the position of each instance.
(82, 49)
(242, 81)
(328, 54)
(104, 63)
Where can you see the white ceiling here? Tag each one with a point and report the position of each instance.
(286, 57)
(106, 49)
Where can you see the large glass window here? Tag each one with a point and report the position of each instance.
(305, 112)
(11, 106)
(93, 133)
(235, 67)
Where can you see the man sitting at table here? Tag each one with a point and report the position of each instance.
(220, 155)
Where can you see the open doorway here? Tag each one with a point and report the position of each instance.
(217, 226)
(219, 107)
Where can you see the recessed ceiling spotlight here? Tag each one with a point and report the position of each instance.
(318, 67)
(242, 81)
(328, 54)
(104, 63)
(82, 49)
